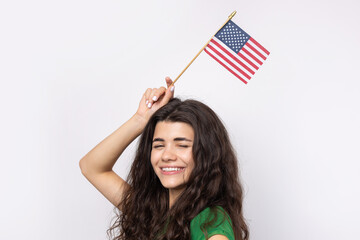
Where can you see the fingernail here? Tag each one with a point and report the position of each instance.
(154, 98)
(149, 105)
(172, 88)
(147, 101)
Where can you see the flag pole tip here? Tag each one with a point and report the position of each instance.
(232, 14)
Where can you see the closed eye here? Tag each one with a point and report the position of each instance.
(184, 146)
(158, 146)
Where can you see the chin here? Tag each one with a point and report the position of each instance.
(174, 186)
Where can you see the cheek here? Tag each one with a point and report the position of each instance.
(192, 165)
(154, 158)
(192, 161)
(189, 160)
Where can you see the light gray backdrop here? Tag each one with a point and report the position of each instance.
(74, 71)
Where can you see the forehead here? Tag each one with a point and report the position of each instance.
(170, 130)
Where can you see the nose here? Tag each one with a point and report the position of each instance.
(168, 154)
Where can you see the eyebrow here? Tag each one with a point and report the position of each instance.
(175, 139)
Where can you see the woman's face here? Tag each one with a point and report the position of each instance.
(171, 155)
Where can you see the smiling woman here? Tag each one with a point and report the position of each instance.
(183, 183)
(171, 156)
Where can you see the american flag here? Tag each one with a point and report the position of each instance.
(237, 51)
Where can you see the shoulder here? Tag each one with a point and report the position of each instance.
(213, 223)
(210, 213)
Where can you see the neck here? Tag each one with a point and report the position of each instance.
(173, 196)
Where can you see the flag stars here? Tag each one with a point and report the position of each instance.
(233, 36)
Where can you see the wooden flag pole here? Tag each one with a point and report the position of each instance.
(229, 18)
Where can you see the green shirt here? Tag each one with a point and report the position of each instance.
(222, 225)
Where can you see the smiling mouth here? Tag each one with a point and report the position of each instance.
(171, 170)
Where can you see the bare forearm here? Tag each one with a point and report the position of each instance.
(104, 155)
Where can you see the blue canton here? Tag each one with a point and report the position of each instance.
(233, 36)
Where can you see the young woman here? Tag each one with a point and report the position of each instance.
(183, 183)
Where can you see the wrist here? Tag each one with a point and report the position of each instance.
(139, 120)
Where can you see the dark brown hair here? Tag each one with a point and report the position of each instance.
(214, 180)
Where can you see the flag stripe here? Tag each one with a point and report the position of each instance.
(247, 60)
(235, 57)
(252, 56)
(216, 52)
(259, 46)
(254, 50)
(224, 65)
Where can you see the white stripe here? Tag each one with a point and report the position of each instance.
(255, 55)
(235, 55)
(250, 42)
(225, 63)
(230, 59)
(248, 57)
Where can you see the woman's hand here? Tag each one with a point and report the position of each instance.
(153, 99)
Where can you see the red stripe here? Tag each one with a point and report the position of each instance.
(232, 56)
(256, 51)
(252, 56)
(225, 66)
(228, 61)
(247, 60)
(259, 46)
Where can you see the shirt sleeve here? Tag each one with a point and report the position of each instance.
(211, 222)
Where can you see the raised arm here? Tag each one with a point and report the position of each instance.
(97, 165)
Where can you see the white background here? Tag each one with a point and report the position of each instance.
(73, 71)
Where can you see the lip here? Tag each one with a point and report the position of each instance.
(171, 172)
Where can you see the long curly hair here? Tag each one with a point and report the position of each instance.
(214, 181)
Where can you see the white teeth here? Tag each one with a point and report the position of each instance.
(169, 169)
